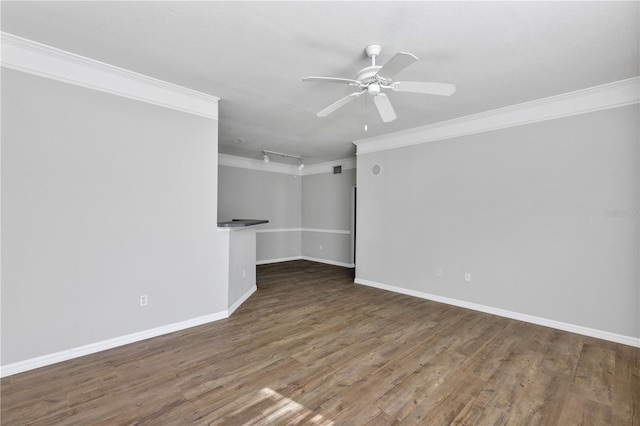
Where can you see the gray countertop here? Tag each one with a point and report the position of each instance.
(239, 223)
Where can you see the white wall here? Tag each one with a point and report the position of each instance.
(523, 209)
(103, 199)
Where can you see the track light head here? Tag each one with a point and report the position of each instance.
(265, 157)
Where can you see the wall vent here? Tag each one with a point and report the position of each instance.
(337, 170)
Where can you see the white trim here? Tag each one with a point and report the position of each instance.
(327, 167)
(42, 361)
(261, 231)
(278, 260)
(242, 299)
(578, 329)
(327, 231)
(236, 228)
(45, 61)
(259, 165)
(309, 258)
(611, 95)
(329, 262)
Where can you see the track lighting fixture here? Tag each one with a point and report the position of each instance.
(265, 157)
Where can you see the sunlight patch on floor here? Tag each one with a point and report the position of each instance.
(292, 411)
(269, 407)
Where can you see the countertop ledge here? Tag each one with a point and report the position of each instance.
(240, 223)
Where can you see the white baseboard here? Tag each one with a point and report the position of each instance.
(42, 361)
(312, 259)
(278, 260)
(578, 329)
(329, 262)
(242, 299)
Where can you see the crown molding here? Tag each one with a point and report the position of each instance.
(45, 61)
(610, 95)
(259, 165)
(253, 164)
(327, 167)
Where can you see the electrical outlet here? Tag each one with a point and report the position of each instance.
(321, 247)
(144, 300)
(467, 276)
(438, 272)
(244, 273)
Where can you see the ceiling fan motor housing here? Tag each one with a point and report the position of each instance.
(368, 75)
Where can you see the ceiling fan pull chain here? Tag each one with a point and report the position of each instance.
(366, 110)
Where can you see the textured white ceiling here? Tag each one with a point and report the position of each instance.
(253, 56)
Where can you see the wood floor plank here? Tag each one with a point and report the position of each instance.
(626, 387)
(406, 396)
(477, 412)
(311, 347)
(580, 410)
(563, 352)
(489, 358)
(447, 400)
(595, 373)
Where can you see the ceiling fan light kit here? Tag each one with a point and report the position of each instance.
(374, 78)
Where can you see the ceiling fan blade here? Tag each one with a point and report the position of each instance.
(313, 79)
(442, 89)
(334, 106)
(385, 109)
(396, 64)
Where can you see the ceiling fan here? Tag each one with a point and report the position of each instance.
(374, 78)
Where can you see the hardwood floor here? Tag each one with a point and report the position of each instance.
(310, 347)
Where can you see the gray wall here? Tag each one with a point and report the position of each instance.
(254, 194)
(242, 263)
(525, 210)
(319, 201)
(326, 205)
(103, 199)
